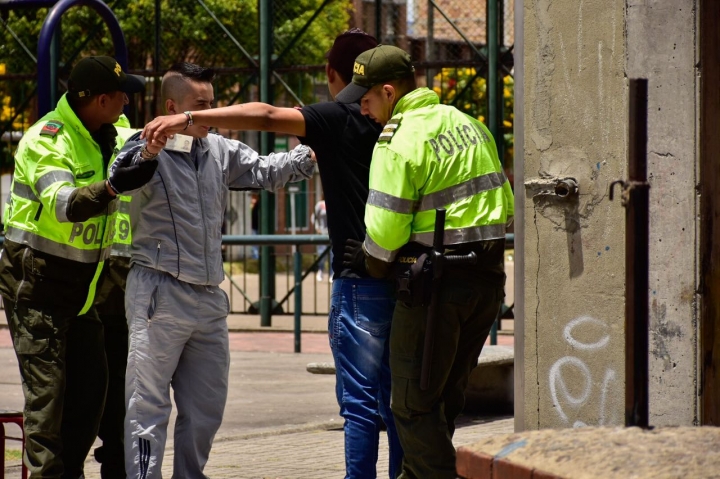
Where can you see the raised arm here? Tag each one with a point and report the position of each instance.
(248, 116)
(246, 169)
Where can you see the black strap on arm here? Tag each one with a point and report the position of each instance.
(438, 260)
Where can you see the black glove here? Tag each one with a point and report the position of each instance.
(126, 177)
(354, 255)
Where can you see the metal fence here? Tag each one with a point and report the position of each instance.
(242, 276)
(447, 38)
(267, 50)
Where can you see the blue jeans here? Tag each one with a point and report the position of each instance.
(254, 249)
(359, 325)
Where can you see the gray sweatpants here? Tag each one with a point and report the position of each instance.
(178, 336)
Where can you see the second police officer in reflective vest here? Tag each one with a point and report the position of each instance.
(430, 156)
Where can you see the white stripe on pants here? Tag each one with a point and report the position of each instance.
(178, 337)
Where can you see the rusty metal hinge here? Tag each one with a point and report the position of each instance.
(626, 188)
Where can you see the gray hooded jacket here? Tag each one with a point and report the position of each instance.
(176, 218)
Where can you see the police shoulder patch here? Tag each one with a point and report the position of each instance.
(390, 128)
(51, 128)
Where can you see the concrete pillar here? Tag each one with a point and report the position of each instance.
(662, 47)
(575, 126)
(577, 56)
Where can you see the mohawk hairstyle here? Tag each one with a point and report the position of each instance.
(174, 82)
(193, 72)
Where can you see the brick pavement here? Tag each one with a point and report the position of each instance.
(274, 342)
(313, 454)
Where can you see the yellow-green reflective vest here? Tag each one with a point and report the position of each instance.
(429, 156)
(56, 156)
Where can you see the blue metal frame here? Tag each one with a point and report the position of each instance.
(46, 66)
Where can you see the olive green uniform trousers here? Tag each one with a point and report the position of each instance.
(64, 379)
(111, 455)
(468, 304)
(110, 306)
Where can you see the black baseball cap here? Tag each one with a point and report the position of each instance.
(381, 64)
(102, 74)
(346, 48)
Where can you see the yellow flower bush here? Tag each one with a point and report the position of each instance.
(20, 123)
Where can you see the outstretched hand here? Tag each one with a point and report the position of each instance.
(161, 128)
(125, 176)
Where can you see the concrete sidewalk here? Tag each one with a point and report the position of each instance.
(280, 421)
(312, 454)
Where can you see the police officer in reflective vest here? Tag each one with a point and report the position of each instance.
(54, 249)
(430, 156)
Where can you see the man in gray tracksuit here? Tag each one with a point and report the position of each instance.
(175, 309)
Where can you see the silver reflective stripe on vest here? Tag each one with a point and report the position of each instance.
(441, 198)
(466, 189)
(123, 207)
(52, 177)
(57, 249)
(120, 249)
(377, 251)
(24, 191)
(463, 235)
(61, 203)
(390, 202)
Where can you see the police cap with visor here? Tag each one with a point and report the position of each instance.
(381, 64)
(101, 74)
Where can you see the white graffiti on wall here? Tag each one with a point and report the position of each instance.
(562, 397)
(567, 332)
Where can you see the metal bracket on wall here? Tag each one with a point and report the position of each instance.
(626, 189)
(560, 187)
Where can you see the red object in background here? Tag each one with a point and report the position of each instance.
(14, 417)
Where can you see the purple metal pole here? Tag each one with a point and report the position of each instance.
(46, 34)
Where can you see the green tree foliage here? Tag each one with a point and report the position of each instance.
(291, 16)
(467, 90)
(189, 32)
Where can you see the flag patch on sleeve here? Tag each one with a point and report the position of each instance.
(51, 128)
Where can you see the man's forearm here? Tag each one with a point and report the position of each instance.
(88, 201)
(253, 116)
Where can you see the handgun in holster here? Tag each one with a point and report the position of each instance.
(413, 282)
(436, 261)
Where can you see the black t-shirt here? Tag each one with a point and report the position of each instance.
(343, 140)
(255, 216)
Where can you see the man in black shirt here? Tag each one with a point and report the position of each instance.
(361, 307)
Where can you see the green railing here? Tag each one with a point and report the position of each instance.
(299, 275)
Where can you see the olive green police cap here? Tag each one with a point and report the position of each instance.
(381, 64)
